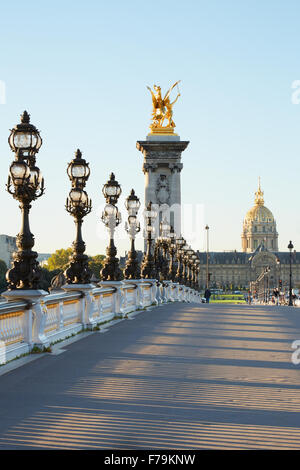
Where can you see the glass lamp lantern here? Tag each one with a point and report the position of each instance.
(173, 243)
(150, 229)
(150, 213)
(132, 203)
(111, 216)
(78, 197)
(35, 179)
(165, 228)
(78, 170)
(180, 241)
(112, 190)
(189, 251)
(25, 137)
(110, 210)
(132, 220)
(19, 172)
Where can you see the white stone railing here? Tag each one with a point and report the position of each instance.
(25, 324)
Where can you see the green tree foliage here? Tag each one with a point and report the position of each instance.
(3, 269)
(59, 259)
(96, 264)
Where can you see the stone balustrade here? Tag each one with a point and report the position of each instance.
(40, 322)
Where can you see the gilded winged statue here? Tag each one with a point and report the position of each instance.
(162, 109)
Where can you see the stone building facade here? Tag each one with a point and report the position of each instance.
(7, 247)
(162, 167)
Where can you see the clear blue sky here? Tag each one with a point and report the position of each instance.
(81, 70)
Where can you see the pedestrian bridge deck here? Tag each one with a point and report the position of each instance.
(179, 376)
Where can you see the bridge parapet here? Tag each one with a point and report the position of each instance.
(54, 317)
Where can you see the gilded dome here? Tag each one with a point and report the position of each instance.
(259, 213)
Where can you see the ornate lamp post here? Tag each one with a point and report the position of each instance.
(194, 265)
(148, 265)
(25, 183)
(111, 217)
(197, 270)
(172, 253)
(290, 247)
(78, 205)
(265, 289)
(163, 243)
(185, 265)
(180, 242)
(189, 254)
(132, 204)
(278, 280)
(268, 283)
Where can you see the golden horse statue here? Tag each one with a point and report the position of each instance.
(162, 110)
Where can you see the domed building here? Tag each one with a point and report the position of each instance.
(238, 270)
(259, 226)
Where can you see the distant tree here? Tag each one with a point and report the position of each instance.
(3, 268)
(59, 259)
(96, 264)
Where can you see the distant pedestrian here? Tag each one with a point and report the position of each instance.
(276, 295)
(207, 295)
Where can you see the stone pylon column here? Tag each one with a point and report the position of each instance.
(162, 167)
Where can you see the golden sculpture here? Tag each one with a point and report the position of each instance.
(162, 110)
(259, 195)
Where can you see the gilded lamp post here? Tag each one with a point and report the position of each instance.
(25, 183)
(189, 252)
(148, 266)
(78, 205)
(180, 242)
(172, 256)
(184, 248)
(111, 217)
(163, 246)
(290, 247)
(197, 271)
(194, 258)
(132, 204)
